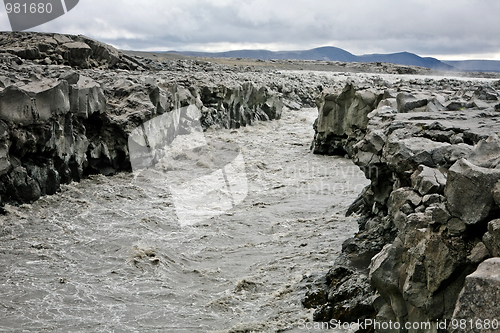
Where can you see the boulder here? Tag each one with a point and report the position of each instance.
(104, 54)
(478, 299)
(373, 142)
(400, 197)
(456, 227)
(430, 199)
(408, 102)
(469, 191)
(438, 213)
(86, 97)
(428, 180)
(486, 93)
(353, 298)
(455, 105)
(439, 268)
(481, 105)
(390, 102)
(35, 102)
(478, 254)
(76, 53)
(384, 275)
(486, 153)
(406, 154)
(434, 105)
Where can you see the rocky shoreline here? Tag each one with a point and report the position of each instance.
(62, 122)
(429, 216)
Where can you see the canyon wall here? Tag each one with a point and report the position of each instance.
(430, 215)
(59, 123)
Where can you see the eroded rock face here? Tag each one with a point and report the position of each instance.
(429, 213)
(35, 102)
(341, 117)
(59, 123)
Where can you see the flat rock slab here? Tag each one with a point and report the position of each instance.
(479, 124)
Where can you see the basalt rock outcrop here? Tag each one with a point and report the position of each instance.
(430, 215)
(60, 123)
(57, 49)
(341, 118)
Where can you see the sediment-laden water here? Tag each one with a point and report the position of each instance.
(110, 254)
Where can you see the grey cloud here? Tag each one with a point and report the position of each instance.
(420, 26)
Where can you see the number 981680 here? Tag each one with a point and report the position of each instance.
(28, 8)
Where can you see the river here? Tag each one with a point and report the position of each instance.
(112, 254)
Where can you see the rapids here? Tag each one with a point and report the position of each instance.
(109, 254)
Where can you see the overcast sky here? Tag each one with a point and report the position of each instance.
(447, 29)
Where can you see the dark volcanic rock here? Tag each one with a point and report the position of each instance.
(342, 118)
(469, 191)
(59, 123)
(435, 189)
(479, 298)
(51, 48)
(491, 239)
(69, 106)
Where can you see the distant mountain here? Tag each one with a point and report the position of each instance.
(409, 59)
(475, 65)
(329, 53)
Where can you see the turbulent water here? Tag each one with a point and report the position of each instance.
(112, 254)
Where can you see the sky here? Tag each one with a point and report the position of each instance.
(445, 29)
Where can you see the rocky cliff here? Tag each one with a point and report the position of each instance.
(59, 123)
(430, 215)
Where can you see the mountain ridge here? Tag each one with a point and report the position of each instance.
(326, 53)
(332, 53)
